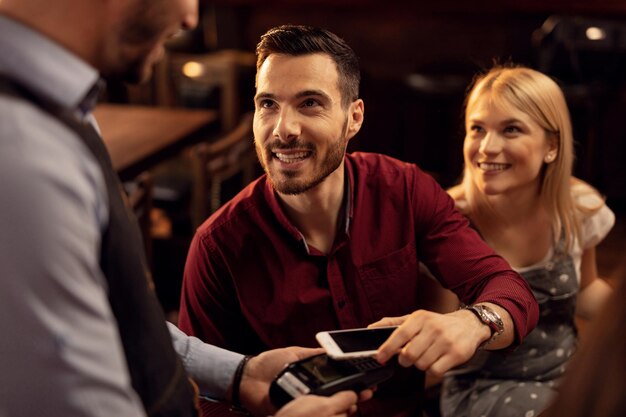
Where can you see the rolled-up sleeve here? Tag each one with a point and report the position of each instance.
(457, 256)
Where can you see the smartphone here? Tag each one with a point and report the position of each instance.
(322, 375)
(353, 343)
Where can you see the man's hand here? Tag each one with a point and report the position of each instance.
(341, 404)
(260, 372)
(433, 342)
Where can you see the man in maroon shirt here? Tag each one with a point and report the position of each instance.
(328, 240)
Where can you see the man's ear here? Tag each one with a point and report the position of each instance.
(356, 112)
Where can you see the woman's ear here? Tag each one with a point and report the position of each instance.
(553, 149)
(550, 156)
(356, 112)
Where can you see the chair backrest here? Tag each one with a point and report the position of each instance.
(225, 76)
(213, 163)
(139, 193)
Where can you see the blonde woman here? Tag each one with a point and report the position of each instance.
(519, 193)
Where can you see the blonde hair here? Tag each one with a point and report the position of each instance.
(538, 96)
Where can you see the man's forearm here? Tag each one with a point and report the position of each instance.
(211, 367)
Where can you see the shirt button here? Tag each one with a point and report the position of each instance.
(341, 303)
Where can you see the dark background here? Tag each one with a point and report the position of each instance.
(417, 59)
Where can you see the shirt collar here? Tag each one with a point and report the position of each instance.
(46, 67)
(348, 197)
(277, 208)
(347, 204)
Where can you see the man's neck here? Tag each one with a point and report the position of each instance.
(316, 212)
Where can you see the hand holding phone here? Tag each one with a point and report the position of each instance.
(353, 343)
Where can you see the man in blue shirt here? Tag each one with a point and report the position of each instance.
(63, 351)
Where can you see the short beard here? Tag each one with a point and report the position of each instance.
(134, 72)
(142, 27)
(292, 186)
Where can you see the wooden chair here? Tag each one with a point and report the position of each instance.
(139, 193)
(226, 71)
(230, 156)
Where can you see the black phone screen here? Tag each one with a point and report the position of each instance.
(361, 340)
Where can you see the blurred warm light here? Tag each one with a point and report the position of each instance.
(595, 33)
(193, 69)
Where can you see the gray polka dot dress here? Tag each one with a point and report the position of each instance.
(521, 382)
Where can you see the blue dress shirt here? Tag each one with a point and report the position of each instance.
(60, 352)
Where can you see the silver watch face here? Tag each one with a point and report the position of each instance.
(488, 315)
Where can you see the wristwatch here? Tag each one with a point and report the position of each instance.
(489, 317)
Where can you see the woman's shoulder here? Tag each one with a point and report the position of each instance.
(597, 219)
(457, 193)
(586, 197)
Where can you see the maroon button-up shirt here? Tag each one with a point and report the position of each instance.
(251, 282)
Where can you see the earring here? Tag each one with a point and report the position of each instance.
(549, 157)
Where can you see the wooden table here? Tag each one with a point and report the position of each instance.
(138, 137)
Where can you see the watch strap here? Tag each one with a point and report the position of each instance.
(488, 317)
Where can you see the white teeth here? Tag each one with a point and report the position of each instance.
(292, 157)
(492, 167)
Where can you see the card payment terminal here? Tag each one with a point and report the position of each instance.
(322, 375)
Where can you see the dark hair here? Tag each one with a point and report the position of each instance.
(302, 40)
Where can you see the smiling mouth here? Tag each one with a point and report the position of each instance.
(291, 157)
(485, 166)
